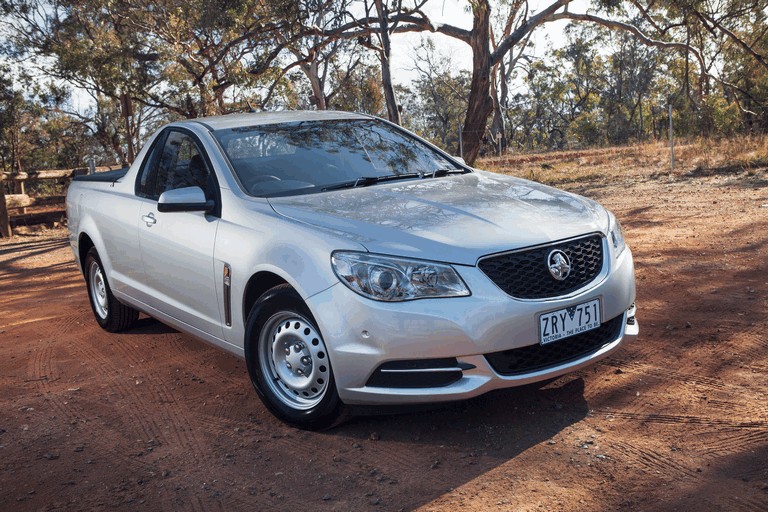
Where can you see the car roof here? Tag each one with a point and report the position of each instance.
(262, 118)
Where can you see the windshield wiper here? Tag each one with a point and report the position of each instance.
(364, 181)
(439, 173)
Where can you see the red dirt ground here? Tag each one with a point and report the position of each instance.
(155, 420)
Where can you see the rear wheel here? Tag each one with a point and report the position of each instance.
(111, 314)
(288, 362)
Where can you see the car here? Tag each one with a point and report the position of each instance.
(350, 262)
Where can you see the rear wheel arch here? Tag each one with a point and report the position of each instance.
(110, 313)
(84, 245)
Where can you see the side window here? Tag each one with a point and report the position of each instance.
(175, 163)
(145, 185)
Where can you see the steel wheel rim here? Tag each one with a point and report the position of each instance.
(294, 360)
(98, 290)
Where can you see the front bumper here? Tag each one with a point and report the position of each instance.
(362, 335)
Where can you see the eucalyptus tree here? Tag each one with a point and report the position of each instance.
(372, 24)
(667, 25)
(441, 95)
(182, 57)
(360, 89)
(316, 55)
(12, 110)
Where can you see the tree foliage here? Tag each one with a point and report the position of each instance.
(139, 64)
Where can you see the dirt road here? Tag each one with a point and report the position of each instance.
(155, 420)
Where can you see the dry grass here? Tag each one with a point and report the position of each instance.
(699, 157)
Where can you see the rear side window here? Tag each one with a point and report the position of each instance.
(176, 162)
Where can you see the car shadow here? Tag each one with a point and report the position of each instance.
(150, 326)
(561, 402)
(400, 457)
(424, 452)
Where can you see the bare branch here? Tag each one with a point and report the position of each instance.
(733, 37)
(405, 22)
(636, 32)
(534, 21)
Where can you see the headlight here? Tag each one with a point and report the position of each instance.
(394, 279)
(616, 234)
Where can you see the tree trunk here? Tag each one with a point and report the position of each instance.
(480, 103)
(393, 110)
(686, 83)
(503, 101)
(318, 91)
(497, 124)
(17, 187)
(127, 111)
(203, 91)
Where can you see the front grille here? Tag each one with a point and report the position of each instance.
(525, 274)
(523, 360)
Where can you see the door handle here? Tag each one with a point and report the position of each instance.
(149, 219)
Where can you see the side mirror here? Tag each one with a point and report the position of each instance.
(460, 160)
(187, 199)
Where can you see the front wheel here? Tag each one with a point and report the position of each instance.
(288, 362)
(111, 314)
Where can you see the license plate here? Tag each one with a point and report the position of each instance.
(569, 321)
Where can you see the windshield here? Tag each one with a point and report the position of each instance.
(312, 156)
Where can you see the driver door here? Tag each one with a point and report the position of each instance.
(177, 247)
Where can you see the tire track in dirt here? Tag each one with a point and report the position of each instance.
(147, 414)
(184, 423)
(217, 425)
(134, 425)
(742, 502)
(649, 389)
(166, 411)
(674, 419)
(734, 441)
(188, 352)
(197, 505)
(43, 373)
(753, 345)
(162, 416)
(122, 385)
(751, 472)
(651, 460)
(749, 406)
(191, 353)
(71, 323)
(667, 375)
(56, 398)
(229, 412)
(41, 367)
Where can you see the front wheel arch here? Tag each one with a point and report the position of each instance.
(258, 284)
(280, 320)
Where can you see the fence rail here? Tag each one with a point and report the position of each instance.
(13, 206)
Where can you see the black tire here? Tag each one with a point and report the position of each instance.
(288, 362)
(111, 314)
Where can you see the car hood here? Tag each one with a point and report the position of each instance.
(455, 219)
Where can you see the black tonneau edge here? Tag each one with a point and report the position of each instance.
(106, 177)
